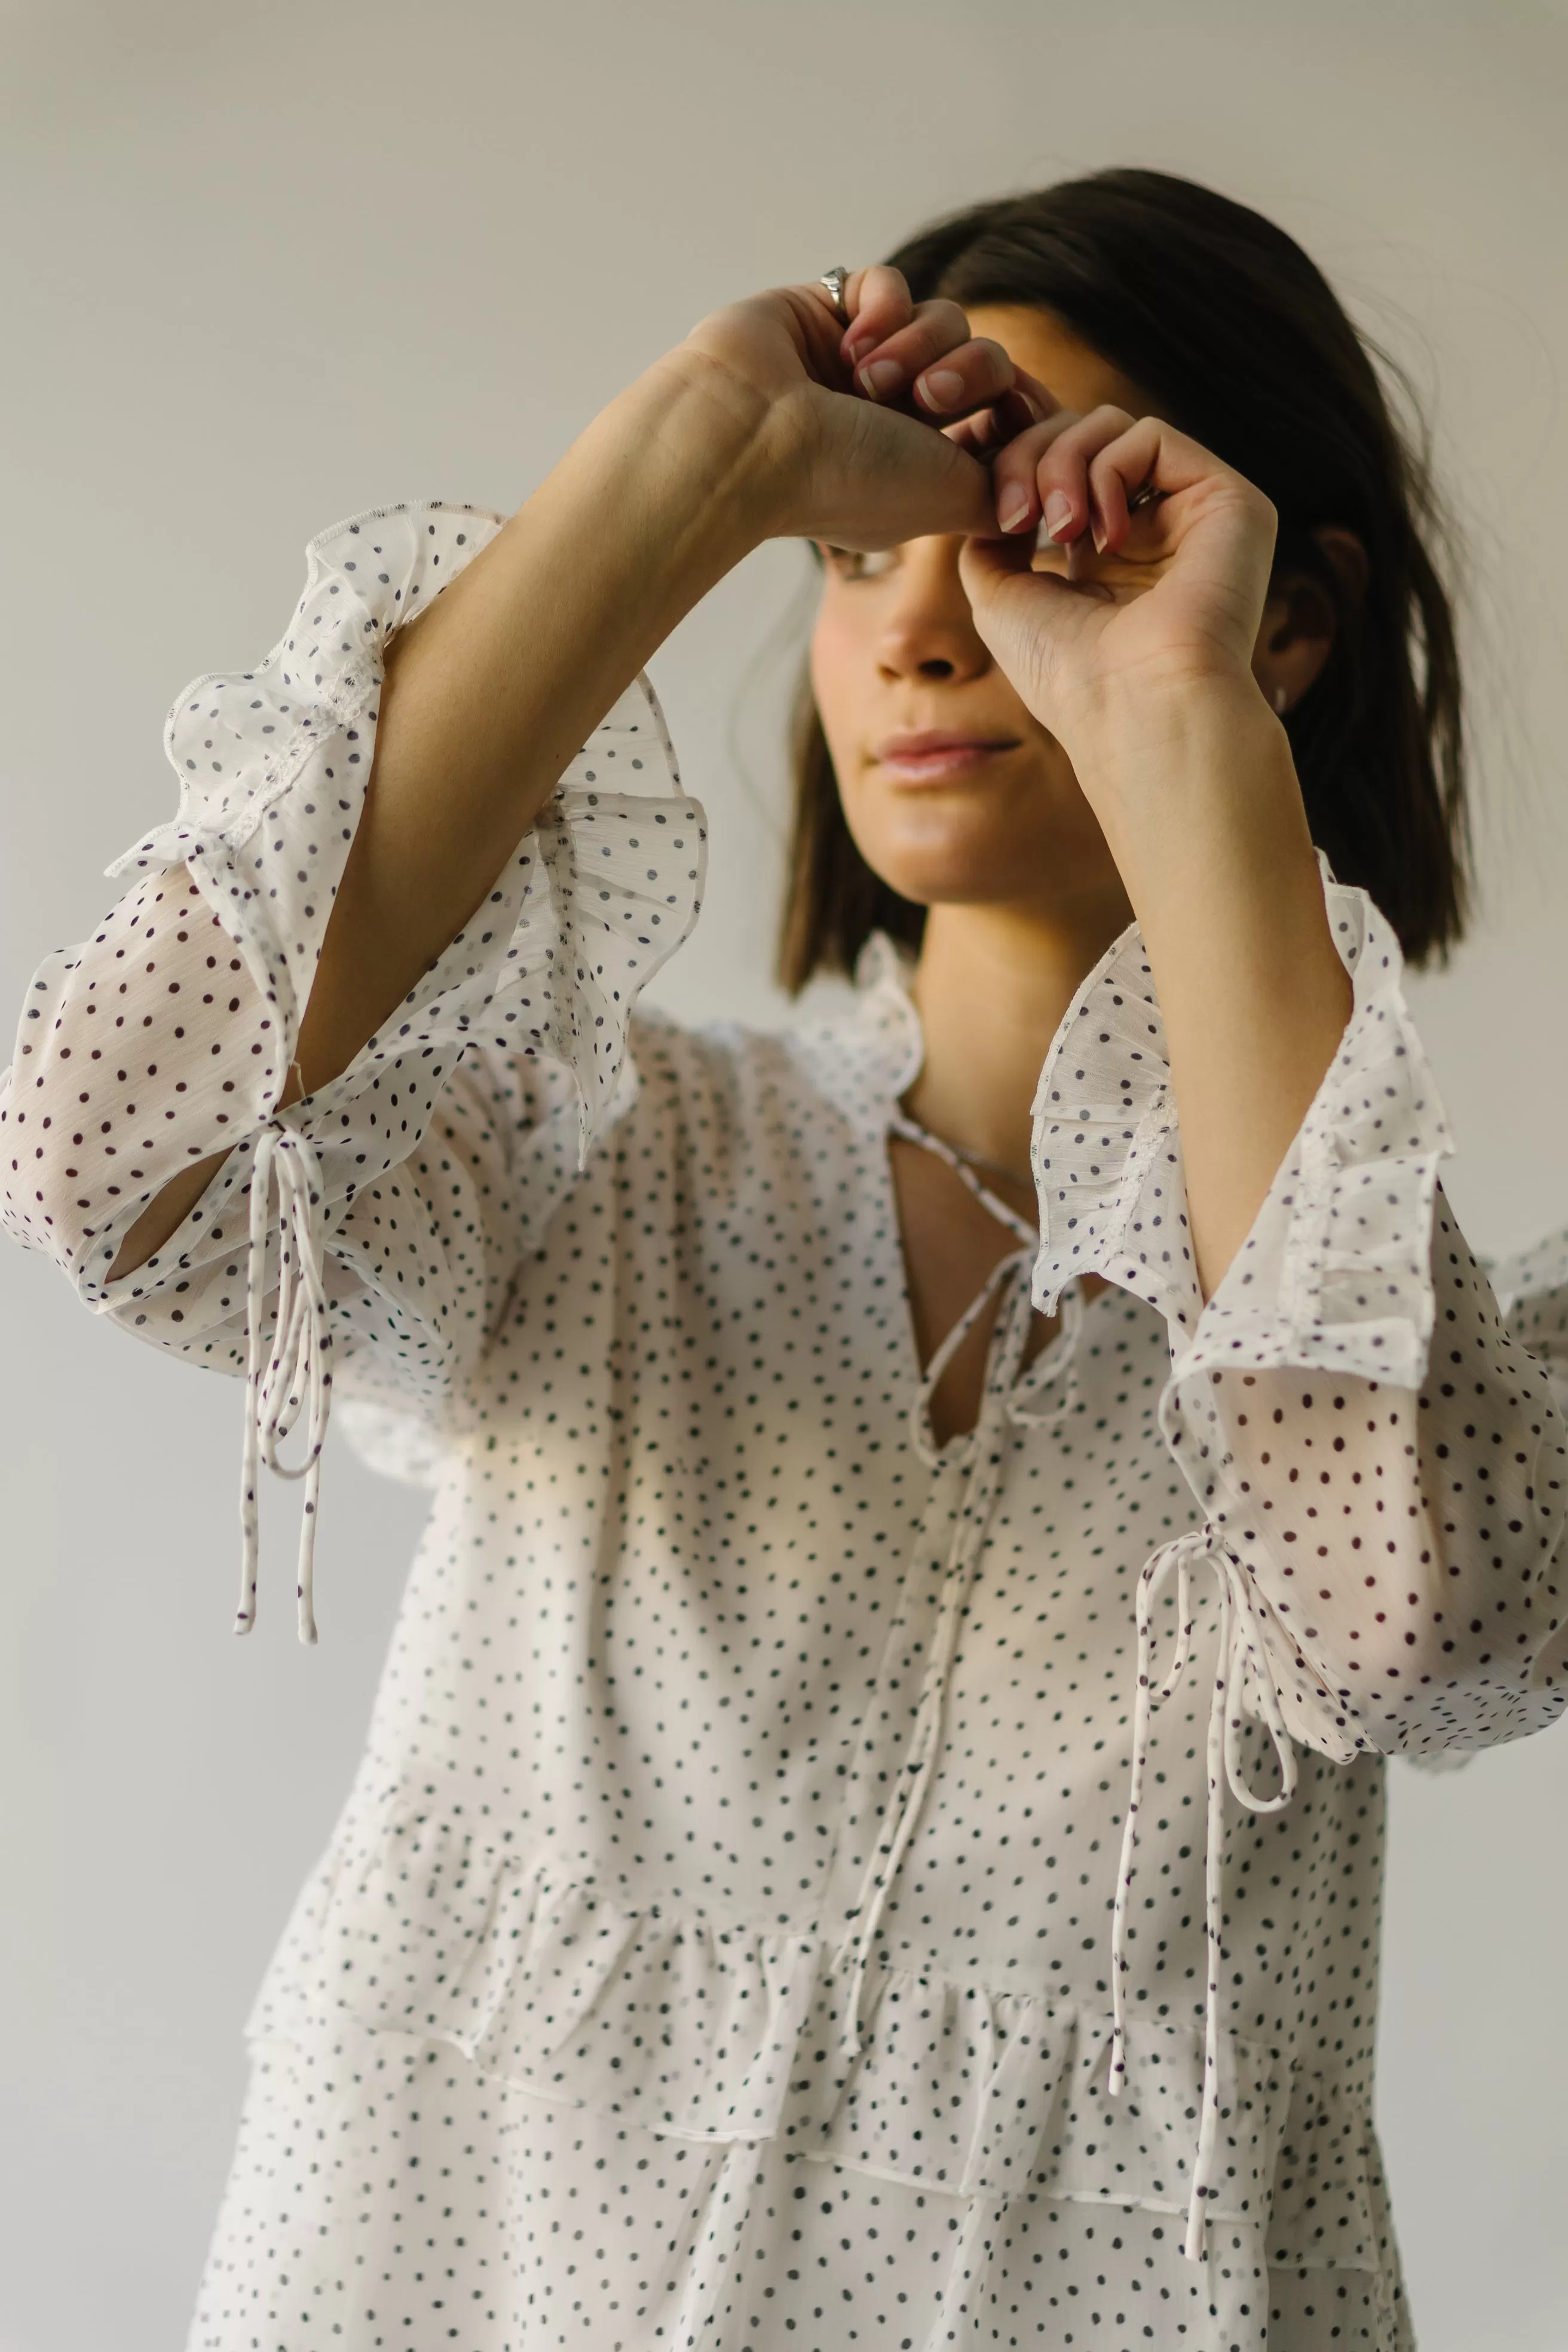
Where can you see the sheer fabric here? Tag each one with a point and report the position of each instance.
(803, 1880)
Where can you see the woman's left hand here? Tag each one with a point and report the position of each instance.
(1168, 605)
(1139, 661)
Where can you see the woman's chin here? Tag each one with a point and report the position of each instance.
(1053, 876)
(957, 881)
(961, 839)
(973, 849)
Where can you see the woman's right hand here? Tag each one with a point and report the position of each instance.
(856, 458)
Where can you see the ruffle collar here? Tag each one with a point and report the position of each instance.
(864, 1054)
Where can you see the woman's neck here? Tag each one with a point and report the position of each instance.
(991, 988)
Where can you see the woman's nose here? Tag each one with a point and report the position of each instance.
(928, 630)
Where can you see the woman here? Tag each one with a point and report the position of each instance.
(871, 1830)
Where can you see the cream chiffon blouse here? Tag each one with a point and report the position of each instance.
(806, 1884)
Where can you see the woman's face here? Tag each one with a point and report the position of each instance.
(953, 791)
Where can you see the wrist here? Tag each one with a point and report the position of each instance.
(656, 499)
(1131, 735)
(1196, 792)
(716, 437)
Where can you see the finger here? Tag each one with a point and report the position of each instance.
(989, 567)
(1150, 457)
(1099, 468)
(1115, 473)
(879, 304)
(1015, 469)
(980, 435)
(937, 331)
(1038, 399)
(989, 559)
(1013, 413)
(1062, 476)
(1008, 419)
(975, 374)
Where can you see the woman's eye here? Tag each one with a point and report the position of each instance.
(849, 563)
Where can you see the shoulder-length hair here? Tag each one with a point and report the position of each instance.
(1238, 340)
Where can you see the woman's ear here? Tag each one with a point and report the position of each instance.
(1348, 556)
(1296, 635)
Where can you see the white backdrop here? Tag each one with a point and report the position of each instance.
(265, 265)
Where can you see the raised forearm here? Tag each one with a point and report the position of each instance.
(508, 673)
(487, 699)
(748, 429)
(1203, 812)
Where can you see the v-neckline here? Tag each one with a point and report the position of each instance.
(1032, 1371)
(887, 1043)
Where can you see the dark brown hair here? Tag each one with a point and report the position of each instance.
(1238, 340)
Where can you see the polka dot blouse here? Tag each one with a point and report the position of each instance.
(806, 1884)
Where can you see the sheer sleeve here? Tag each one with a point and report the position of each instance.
(1531, 1293)
(1377, 1452)
(369, 1231)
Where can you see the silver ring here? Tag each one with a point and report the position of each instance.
(1143, 497)
(835, 282)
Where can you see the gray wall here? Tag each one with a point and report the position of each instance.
(266, 265)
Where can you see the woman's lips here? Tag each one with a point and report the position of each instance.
(921, 758)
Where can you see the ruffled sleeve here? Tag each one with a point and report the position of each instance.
(1378, 1463)
(1531, 1293)
(371, 1229)
(1375, 1453)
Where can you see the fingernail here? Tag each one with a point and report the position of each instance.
(856, 352)
(1058, 513)
(1013, 510)
(941, 388)
(1097, 532)
(881, 377)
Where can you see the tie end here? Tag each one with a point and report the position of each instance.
(1193, 2245)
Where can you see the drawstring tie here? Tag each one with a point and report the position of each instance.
(296, 1369)
(1239, 1637)
(982, 1452)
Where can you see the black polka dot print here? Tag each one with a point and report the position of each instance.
(805, 1884)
